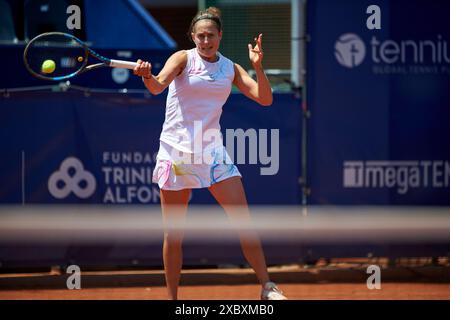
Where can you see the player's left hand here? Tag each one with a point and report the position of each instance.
(256, 53)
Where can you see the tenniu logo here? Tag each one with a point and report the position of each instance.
(72, 177)
(349, 50)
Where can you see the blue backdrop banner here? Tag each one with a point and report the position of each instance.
(81, 147)
(379, 102)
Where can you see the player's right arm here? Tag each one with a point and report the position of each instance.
(173, 67)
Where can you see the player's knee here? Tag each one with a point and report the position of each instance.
(249, 238)
(173, 238)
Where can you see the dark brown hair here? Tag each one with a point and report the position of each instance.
(212, 13)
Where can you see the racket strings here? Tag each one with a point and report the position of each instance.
(55, 56)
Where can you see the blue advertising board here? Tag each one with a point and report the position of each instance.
(379, 103)
(100, 148)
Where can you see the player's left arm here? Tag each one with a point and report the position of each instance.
(258, 90)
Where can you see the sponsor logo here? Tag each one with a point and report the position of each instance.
(402, 175)
(350, 50)
(71, 178)
(427, 56)
(120, 75)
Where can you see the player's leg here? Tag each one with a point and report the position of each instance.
(230, 194)
(174, 206)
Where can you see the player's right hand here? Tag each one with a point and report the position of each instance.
(143, 69)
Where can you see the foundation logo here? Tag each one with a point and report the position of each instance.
(349, 50)
(72, 177)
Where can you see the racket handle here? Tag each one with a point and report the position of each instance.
(122, 64)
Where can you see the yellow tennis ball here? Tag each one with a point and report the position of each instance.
(48, 66)
(80, 59)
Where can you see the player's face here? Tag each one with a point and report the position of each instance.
(207, 38)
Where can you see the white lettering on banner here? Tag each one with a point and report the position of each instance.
(130, 194)
(403, 175)
(128, 177)
(128, 158)
(427, 56)
(418, 52)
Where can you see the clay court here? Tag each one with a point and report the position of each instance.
(100, 150)
(343, 280)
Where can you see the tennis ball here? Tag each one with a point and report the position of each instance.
(48, 66)
(80, 59)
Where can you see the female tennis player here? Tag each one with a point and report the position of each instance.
(200, 82)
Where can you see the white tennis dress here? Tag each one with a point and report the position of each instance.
(191, 151)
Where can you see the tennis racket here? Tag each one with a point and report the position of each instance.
(58, 56)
